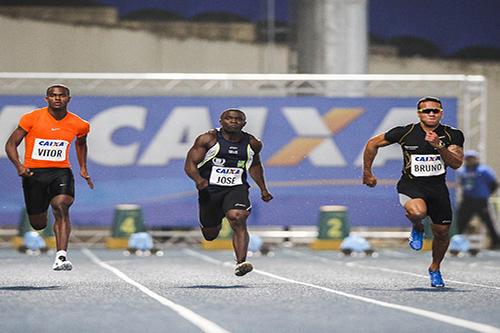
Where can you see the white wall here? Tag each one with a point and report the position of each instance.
(38, 46)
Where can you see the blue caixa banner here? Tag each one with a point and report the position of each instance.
(312, 156)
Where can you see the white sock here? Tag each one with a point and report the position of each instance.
(61, 253)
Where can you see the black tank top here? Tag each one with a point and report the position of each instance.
(226, 163)
(422, 162)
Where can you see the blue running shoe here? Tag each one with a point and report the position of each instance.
(416, 239)
(436, 279)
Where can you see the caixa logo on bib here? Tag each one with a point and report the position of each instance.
(51, 143)
(427, 158)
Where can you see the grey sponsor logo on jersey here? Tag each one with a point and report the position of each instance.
(218, 161)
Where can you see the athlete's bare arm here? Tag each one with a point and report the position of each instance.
(369, 154)
(453, 155)
(196, 154)
(256, 170)
(11, 149)
(81, 154)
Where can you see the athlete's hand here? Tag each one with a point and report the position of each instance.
(432, 138)
(369, 179)
(266, 196)
(87, 178)
(24, 172)
(201, 184)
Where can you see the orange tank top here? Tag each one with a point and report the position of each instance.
(48, 139)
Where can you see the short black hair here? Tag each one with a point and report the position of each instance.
(234, 110)
(429, 99)
(58, 86)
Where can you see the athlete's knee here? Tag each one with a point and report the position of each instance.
(416, 213)
(60, 208)
(210, 237)
(441, 237)
(39, 226)
(210, 233)
(441, 232)
(38, 222)
(237, 215)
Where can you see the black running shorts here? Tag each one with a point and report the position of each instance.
(44, 185)
(436, 197)
(215, 204)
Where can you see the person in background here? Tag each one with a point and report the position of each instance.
(477, 182)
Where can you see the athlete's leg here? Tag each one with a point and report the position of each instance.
(38, 221)
(210, 213)
(238, 220)
(36, 201)
(416, 211)
(440, 243)
(62, 225)
(210, 233)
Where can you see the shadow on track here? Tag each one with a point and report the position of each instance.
(30, 288)
(211, 286)
(426, 290)
(437, 290)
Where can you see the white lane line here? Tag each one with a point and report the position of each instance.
(203, 324)
(389, 270)
(474, 326)
(421, 276)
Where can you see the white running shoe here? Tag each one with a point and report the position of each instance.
(62, 264)
(243, 268)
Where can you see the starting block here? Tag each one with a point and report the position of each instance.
(356, 244)
(141, 244)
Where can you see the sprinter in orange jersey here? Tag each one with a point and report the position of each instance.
(46, 172)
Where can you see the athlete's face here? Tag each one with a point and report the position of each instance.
(430, 113)
(232, 121)
(57, 98)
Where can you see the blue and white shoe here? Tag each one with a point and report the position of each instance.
(416, 239)
(436, 279)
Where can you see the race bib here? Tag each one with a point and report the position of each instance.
(49, 150)
(427, 165)
(226, 176)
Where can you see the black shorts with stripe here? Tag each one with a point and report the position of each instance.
(436, 197)
(44, 185)
(214, 204)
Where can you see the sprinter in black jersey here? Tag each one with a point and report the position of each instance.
(218, 163)
(428, 148)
